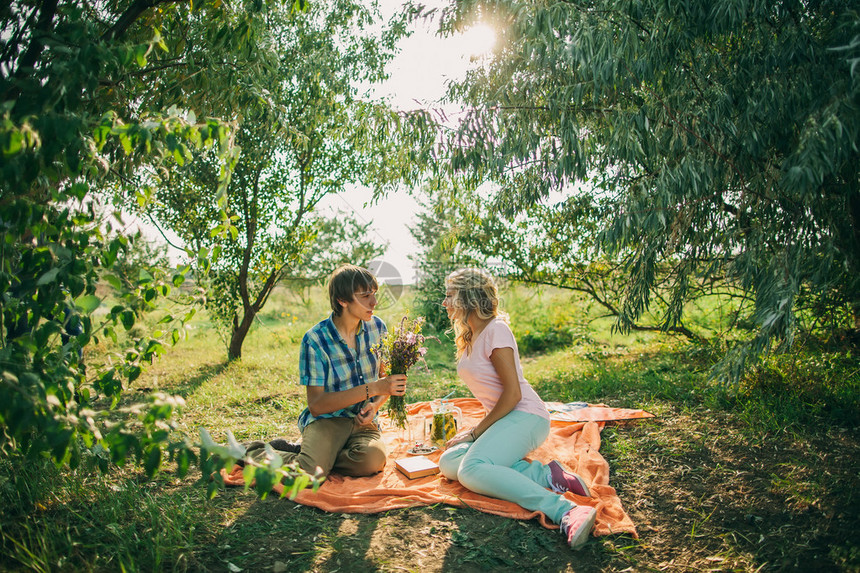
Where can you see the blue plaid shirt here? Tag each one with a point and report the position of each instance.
(325, 360)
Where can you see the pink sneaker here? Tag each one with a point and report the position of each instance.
(562, 481)
(576, 525)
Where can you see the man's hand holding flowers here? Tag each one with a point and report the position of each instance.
(392, 385)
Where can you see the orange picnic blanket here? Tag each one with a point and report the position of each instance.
(574, 441)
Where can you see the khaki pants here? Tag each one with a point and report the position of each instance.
(335, 444)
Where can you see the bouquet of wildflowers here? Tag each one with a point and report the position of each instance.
(399, 351)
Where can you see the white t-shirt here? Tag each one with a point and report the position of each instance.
(479, 374)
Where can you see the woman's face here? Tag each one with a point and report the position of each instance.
(448, 302)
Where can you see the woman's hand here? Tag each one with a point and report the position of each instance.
(391, 385)
(460, 437)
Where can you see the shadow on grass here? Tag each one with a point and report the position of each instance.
(277, 534)
(194, 379)
(184, 387)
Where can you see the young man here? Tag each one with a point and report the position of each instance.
(344, 393)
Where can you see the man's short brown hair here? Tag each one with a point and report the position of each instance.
(347, 280)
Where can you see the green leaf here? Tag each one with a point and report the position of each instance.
(206, 440)
(212, 489)
(140, 55)
(275, 460)
(88, 303)
(79, 190)
(48, 277)
(110, 333)
(128, 318)
(236, 450)
(153, 461)
(183, 462)
(154, 348)
(125, 141)
(295, 484)
(14, 143)
(265, 481)
(113, 280)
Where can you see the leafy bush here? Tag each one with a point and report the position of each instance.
(429, 293)
(50, 313)
(803, 386)
(544, 325)
(80, 113)
(545, 338)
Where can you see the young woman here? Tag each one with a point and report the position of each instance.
(488, 458)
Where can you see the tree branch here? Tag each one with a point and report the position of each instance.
(682, 330)
(34, 50)
(130, 16)
(163, 236)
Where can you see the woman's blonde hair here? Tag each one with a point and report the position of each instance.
(474, 292)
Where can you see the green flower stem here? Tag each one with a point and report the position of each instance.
(397, 407)
(397, 411)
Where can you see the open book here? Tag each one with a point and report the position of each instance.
(417, 466)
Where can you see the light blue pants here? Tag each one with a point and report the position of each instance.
(493, 465)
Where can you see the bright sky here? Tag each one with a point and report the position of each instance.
(418, 77)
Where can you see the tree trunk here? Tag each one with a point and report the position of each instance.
(854, 248)
(237, 337)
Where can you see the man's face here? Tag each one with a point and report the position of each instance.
(362, 304)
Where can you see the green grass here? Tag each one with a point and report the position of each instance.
(758, 477)
(82, 520)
